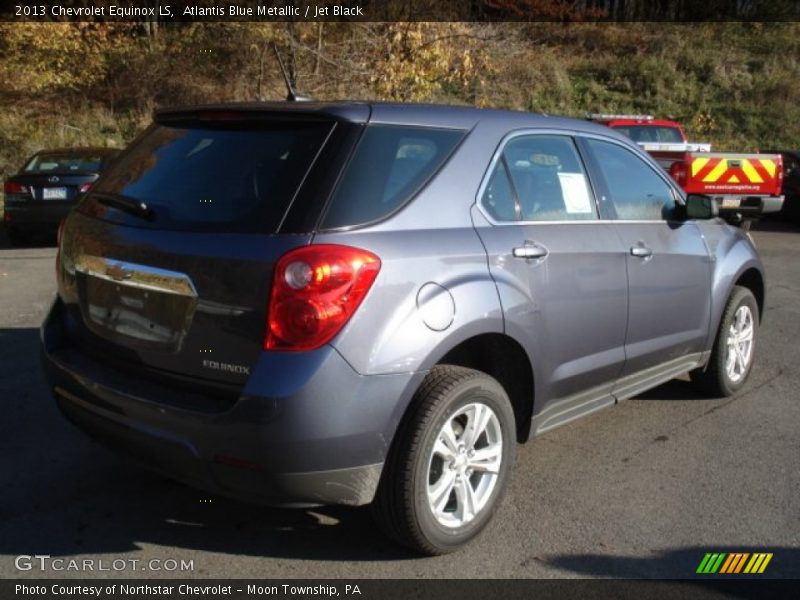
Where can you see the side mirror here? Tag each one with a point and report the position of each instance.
(699, 206)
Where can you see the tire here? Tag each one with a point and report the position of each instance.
(454, 397)
(724, 375)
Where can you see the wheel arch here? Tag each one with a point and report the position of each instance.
(753, 280)
(503, 358)
(736, 264)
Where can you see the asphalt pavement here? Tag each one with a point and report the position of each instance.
(643, 489)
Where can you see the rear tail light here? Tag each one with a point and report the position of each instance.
(779, 177)
(11, 187)
(315, 291)
(84, 188)
(678, 172)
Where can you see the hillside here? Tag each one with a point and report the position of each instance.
(732, 84)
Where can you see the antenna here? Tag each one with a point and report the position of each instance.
(292, 95)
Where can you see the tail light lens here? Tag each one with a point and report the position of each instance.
(678, 172)
(11, 187)
(84, 188)
(315, 291)
(779, 176)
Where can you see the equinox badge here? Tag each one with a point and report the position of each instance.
(221, 366)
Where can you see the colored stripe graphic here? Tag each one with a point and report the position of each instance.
(740, 564)
(733, 563)
(727, 564)
(713, 170)
(758, 563)
(703, 564)
(711, 563)
(705, 166)
(716, 172)
(751, 172)
(697, 164)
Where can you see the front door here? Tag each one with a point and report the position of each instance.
(561, 272)
(669, 266)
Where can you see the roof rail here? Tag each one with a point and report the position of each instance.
(607, 117)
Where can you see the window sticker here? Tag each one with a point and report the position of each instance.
(575, 192)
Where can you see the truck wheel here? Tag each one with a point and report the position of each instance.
(450, 462)
(734, 348)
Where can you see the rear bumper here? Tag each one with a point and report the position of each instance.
(748, 205)
(307, 429)
(36, 216)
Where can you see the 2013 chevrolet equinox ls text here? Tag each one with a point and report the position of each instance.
(354, 303)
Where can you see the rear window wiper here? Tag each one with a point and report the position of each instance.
(130, 205)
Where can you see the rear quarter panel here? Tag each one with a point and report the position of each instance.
(433, 291)
(403, 323)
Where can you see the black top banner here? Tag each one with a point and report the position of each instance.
(402, 10)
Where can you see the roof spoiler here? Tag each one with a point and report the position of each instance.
(292, 95)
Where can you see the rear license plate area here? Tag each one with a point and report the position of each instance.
(54, 193)
(731, 202)
(138, 308)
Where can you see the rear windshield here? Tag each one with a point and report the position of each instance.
(390, 165)
(65, 163)
(649, 133)
(231, 177)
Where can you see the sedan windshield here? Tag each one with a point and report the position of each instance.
(64, 163)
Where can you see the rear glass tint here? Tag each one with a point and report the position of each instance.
(237, 177)
(647, 133)
(65, 163)
(390, 165)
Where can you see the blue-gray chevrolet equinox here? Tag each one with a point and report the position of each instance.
(354, 303)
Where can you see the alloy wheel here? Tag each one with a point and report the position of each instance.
(464, 465)
(740, 344)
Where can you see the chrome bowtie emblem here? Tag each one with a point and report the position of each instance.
(118, 272)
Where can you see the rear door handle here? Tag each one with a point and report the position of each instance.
(532, 251)
(641, 251)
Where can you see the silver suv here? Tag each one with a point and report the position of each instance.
(352, 303)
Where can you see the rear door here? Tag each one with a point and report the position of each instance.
(180, 285)
(669, 267)
(560, 270)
